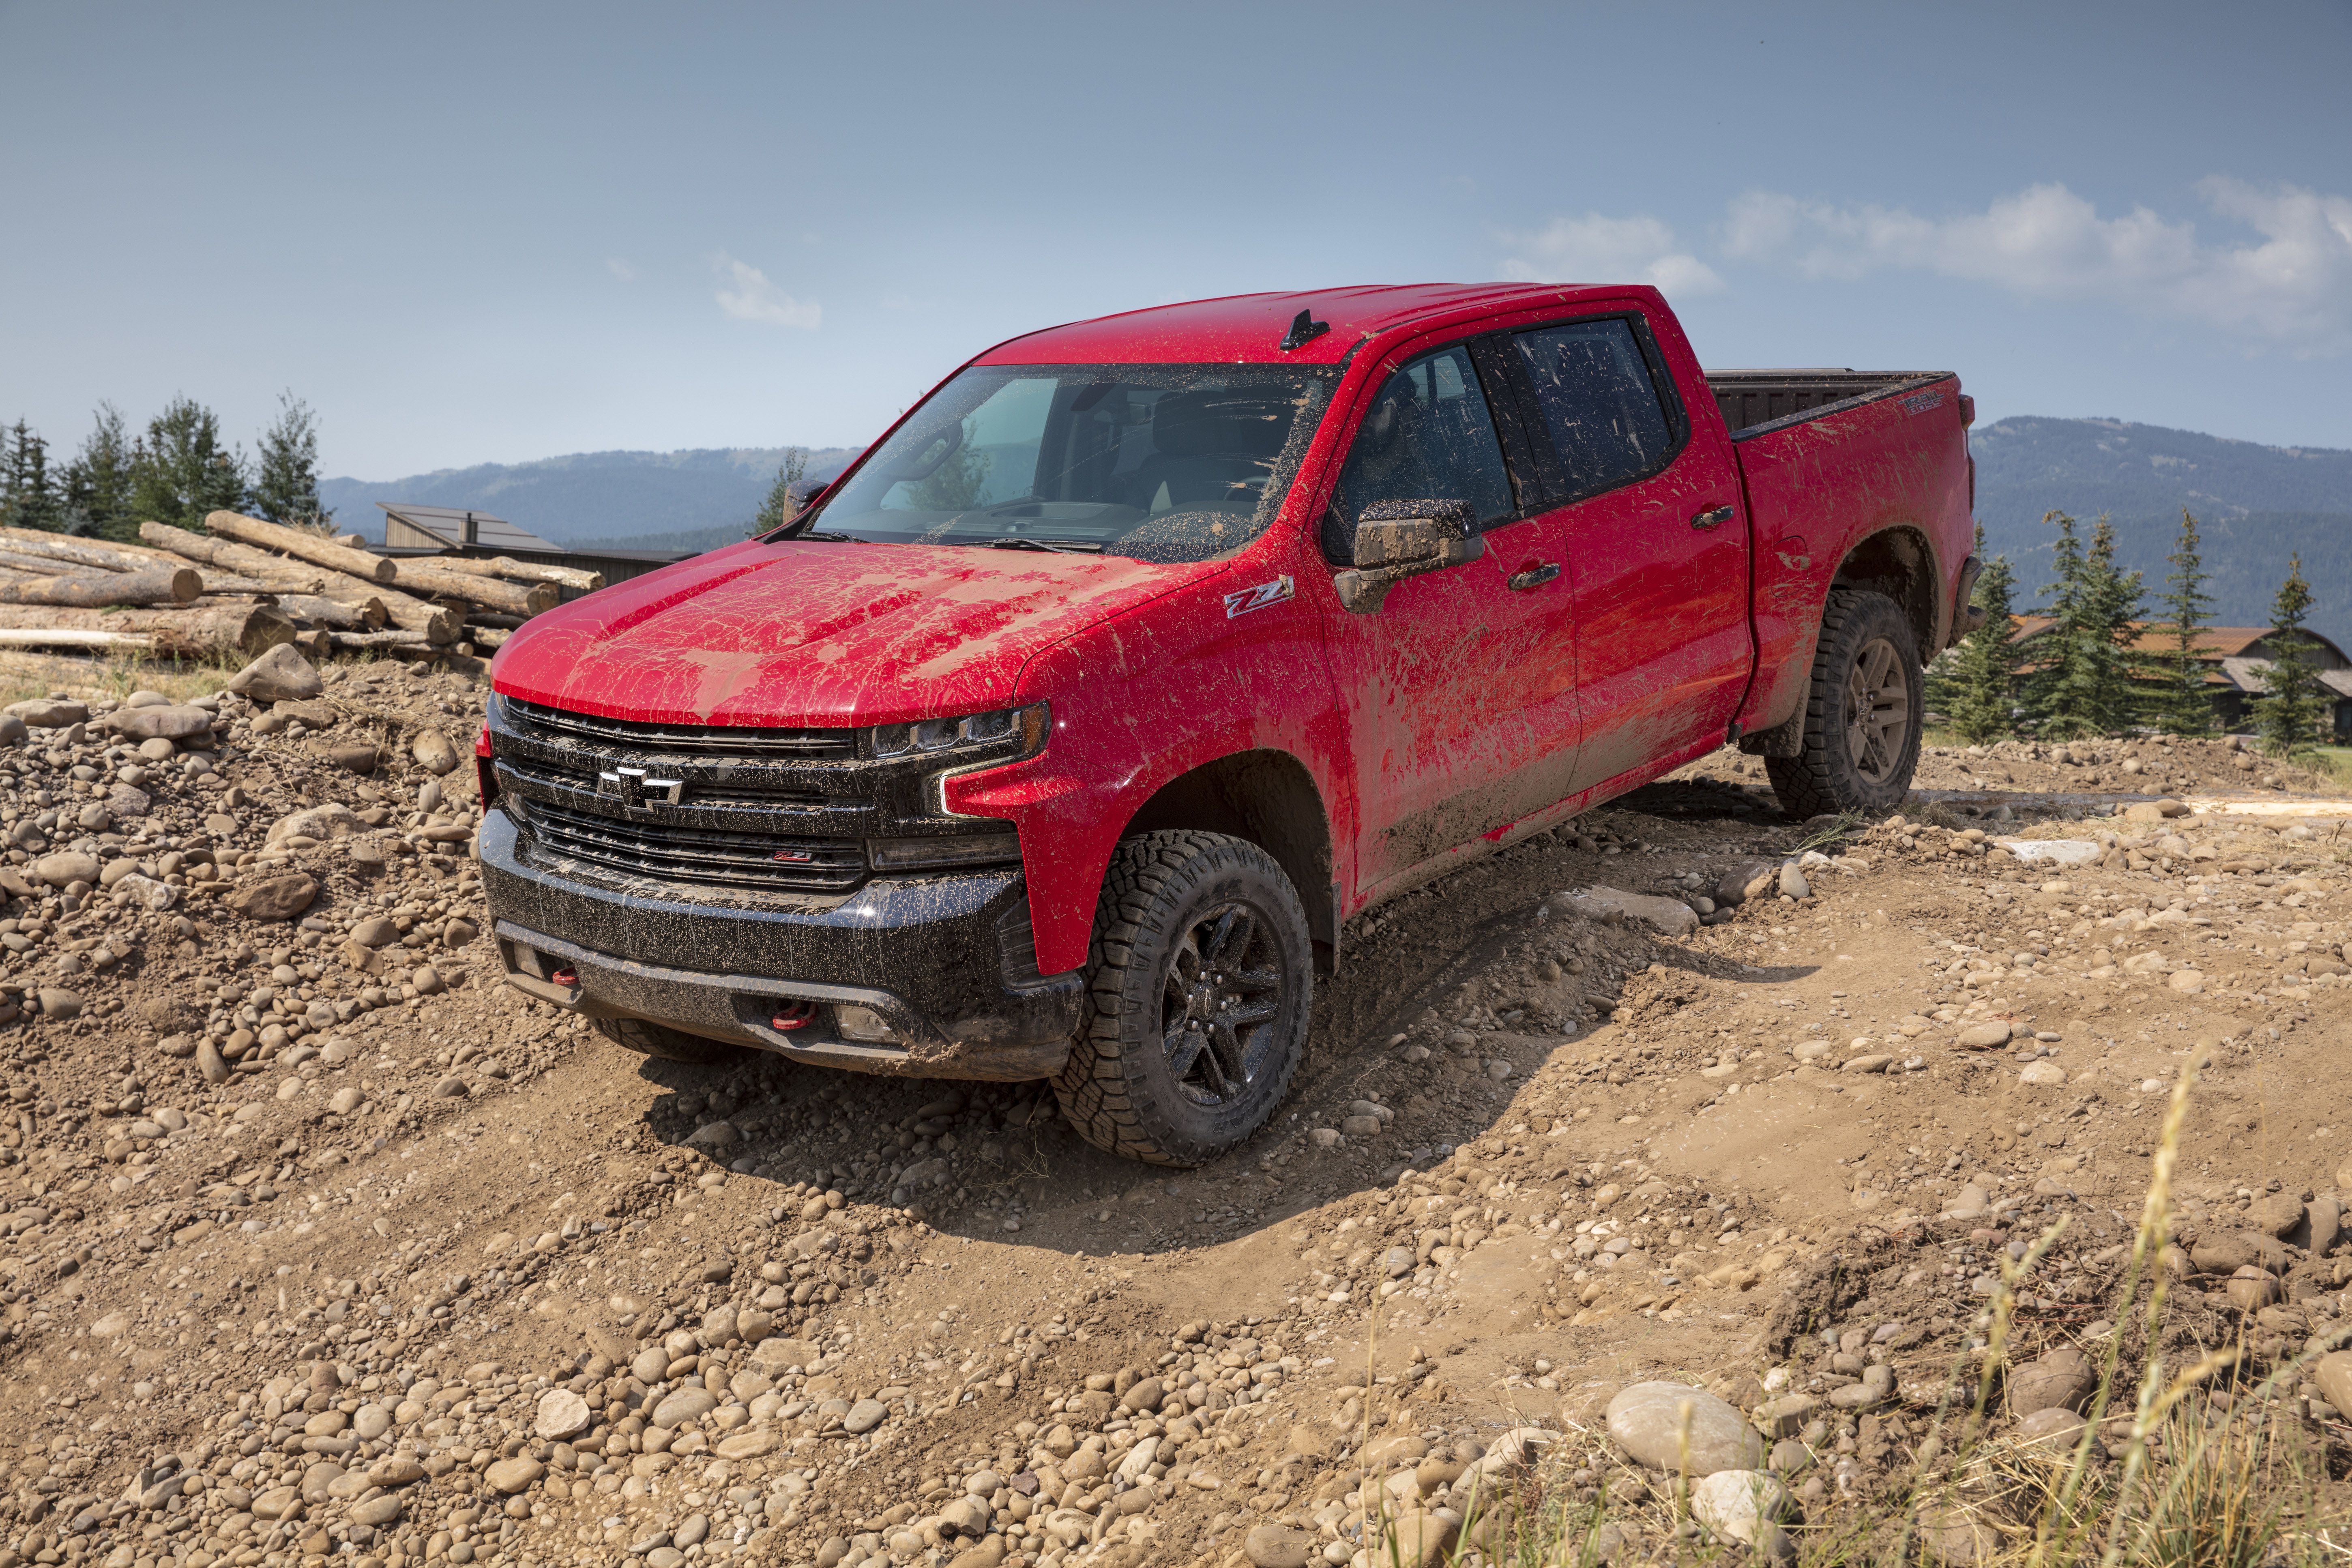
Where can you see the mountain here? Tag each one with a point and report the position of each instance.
(2258, 504)
(635, 500)
(2255, 506)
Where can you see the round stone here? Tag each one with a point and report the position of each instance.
(1647, 1421)
(562, 1414)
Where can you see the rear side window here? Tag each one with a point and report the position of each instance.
(1428, 435)
(1593, 386)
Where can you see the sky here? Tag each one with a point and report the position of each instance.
(475, 232)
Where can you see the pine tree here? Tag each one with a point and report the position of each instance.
(2083, 685)
(98, 481)
(28, 498)
(2177, 702)
(783, 504)
(1976, 686)
(180, 471)
(2288, 714)
(285, 474)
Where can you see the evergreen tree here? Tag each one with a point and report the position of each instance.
(2083, 685)
(2177, 702)
(1976, 684)
(28, 498)
(98, 481)
(783, 504)
(180, 471)
(2291, 708)
(285, 474)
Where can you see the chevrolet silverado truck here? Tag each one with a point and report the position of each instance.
(1056, 738)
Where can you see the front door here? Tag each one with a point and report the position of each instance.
(1461, 685)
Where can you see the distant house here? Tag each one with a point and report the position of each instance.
(450, 528)
(2235, 659)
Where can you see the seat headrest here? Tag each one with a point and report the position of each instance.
(1219, 424)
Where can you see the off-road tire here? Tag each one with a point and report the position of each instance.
(1825, 777)
(1120, 1087)
(651, 1039)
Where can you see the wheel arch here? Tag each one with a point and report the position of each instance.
(1269, 798)
(1900, 563)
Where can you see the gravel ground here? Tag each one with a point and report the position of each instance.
(322, 1246)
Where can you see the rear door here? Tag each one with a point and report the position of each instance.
(1462, 686)
(1645, 503)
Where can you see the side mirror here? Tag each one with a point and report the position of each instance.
(1400, 539)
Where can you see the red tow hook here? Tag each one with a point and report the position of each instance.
(794, 1015)
(567, 977)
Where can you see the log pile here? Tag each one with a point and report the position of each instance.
(247, 584)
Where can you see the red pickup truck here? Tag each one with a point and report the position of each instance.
(1056, 738)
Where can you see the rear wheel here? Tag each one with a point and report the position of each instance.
(1863, 712)
(1198, 990)
(651, 1039)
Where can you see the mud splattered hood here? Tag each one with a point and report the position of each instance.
(819, 633)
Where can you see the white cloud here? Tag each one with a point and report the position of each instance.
(1597, 249)
(747, 296)
(620, 269)
(2293, 285)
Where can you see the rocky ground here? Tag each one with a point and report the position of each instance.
(322, 1246)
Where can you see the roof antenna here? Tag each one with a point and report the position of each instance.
(1304, 329)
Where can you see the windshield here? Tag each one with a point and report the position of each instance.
(1160, 462)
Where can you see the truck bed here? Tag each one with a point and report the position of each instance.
(1755, 401)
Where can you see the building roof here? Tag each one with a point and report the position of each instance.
(2214, 644)
(449, 524)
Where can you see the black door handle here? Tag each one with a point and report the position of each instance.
(1712, 517)
(1534, 576)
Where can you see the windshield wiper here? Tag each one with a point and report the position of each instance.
(1059, 546)
(828, 538)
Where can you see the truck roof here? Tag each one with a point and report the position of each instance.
(1249, 328)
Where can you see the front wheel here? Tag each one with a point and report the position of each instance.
(1198, 988)
(1863, 712)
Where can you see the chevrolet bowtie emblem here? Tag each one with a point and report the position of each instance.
(631, 784)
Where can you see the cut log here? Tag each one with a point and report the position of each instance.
(200, 631)
(389, 637)
(55, 636)
(334, 612)
(311, 547)
(95, 590)
(508, 567)
(254, 565)
(490, 593)
(429, 622)
(104, 555)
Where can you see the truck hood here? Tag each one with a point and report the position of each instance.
(821, 634)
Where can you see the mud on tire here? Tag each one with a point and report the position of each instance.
(651, 1039)
(1864, 711)
(1199, 983)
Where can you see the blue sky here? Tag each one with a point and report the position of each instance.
(471, 233)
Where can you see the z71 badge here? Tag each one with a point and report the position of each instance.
(1242, 600)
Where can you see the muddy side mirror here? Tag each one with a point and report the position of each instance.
(1400, 539)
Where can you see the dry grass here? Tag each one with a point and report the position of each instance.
(24, 675)
(2188, 1463)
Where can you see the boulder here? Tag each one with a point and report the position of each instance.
(65, 868)
(1749, 880)
(562, 1414)
(49, 713)
(511, 1476)
(1746, 1506)
(172, 724)
(1671, 916)
(1276, 1546)
(433, 752)
(1647, 1421)
(281, 675)
(333, 820)
(273, 898)
(2276, 1214)
(2062, 1380)
(2227, 1251)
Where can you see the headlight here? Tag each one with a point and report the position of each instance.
(944, 851)
(1024, 726)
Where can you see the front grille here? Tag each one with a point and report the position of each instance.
(745, 861)
(691, 739)
(582, 779)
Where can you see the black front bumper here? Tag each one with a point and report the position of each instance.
(945, 960)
